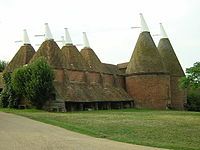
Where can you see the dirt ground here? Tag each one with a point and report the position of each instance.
(20, 133)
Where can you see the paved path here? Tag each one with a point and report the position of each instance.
(20, 133)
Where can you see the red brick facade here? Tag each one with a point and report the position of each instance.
(149, 91)
(120, 81)
(76, 76)
(58, 75)
(108, 80)
(93, 78)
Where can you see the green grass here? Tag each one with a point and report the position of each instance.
(166, 129)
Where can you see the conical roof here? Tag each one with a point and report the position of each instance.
(91, 58)
(145, 57)
(93, 61)
(50, 50)
(170, 59)
(22, 57)
(74, 59)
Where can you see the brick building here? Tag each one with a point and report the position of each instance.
(82, 81)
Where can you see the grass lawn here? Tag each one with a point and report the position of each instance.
(166, 129)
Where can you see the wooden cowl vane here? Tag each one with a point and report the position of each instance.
(23, 55)
(168, 55)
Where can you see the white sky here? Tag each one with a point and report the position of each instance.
(107, 23)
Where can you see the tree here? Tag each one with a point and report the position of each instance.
(192, 79)
(20, 78)
(2, 65)
(8, 97)
(192, 82)
(34, 82)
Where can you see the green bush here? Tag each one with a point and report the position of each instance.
(3, 64)
(193, 100)
(34, 82)
(4, 98)
(8, 97)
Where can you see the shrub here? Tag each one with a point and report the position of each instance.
(193, 100)
(8, 96)
(4, 98)
(2, 65)
(34, 82)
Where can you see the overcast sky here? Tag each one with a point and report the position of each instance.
(107, 23)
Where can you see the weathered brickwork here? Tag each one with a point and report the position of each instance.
(149, 91)
(76, 76)
(58, 75)
(120, 81)
(108, 80)
(94, 78)
(178, 95)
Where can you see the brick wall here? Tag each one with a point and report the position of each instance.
(93, 77)
(77, 76)
(179, 96)
(149, 91)
(108, 80)
(58, 75)
(120, 82)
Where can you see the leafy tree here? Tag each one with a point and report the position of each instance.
(34, 82)
(2, 65)
(192, 83)
(20, 77)
(192, 79)
(8, 96)
(5, 93)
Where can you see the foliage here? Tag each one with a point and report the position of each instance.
(178, 130)
(8, 96)
(34, 82)
(2, 65)
(193, 100)
(192, 79)
(4, 98)
(192, 83)
(20, 77)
